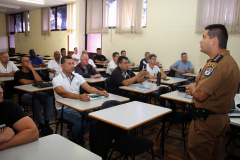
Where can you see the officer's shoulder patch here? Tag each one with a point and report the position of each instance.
(208, 71)
(217, 58)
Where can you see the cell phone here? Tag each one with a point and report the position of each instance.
(95, 96)
(166, 79)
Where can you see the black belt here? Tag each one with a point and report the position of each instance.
(202, 114)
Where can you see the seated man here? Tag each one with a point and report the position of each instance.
(144, 61)
(153, 67)
(121, 76)
(113, 63)
(123, 53)
(99, 58)
(13, 119)
(67, 85)
(54, 65)
(63, 52)
(37, 62)
(182, 66)
(90, 61)
(29, 76)
(7, 69)
(85, 69)
(76, 56)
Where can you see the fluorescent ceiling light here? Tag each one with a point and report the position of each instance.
(33, 1)
(9, 6)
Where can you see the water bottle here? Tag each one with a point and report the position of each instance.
(158, 78)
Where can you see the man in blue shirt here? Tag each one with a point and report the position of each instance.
(182, 66)
(35, 60)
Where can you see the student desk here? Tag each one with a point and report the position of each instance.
(40, 68)
(31, 89)
(5, 79)
(178, 96)
(171, 81)
(82, 106)
(101, 69)
(52, 147)
(95, 80)
(190, 74)
(130, 115)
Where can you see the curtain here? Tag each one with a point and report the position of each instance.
(129, 16)
(7, 25)
(224, 12)
(46, 23)
(26, 23)
(71, 18)
(97, 16)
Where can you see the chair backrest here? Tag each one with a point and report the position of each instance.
(163, 90)
(171, 73)
(100, 133)
(107, 84)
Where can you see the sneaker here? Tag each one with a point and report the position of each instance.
(48, 129)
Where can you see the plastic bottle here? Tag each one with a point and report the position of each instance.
(158, 78)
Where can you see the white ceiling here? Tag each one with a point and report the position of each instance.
(24, 6)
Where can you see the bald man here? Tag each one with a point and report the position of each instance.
(54, 65)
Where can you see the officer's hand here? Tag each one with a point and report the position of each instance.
(84, 97)
(104, 93)
(191, 88)
(142, 72)
(180, 71)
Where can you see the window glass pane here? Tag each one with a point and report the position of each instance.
(93, 42)
(52, 19)
(62, 17)
(144, 20)
(19, 22)
(11, 24)
(28, 23)
(112, 13)
(23, 22)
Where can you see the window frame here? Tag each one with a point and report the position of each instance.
(55, 7)
(14, 17)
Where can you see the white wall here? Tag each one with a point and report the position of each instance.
(170, 31)
(3, 37)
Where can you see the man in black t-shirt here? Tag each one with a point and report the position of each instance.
(29, 76)
(121, 76)
(99, 58)
(12, 119)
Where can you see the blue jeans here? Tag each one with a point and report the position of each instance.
(40, 98)
(75, 118)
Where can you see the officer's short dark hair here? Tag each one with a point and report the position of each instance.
(151, 55)
(63, 59)
(219, 31)
(62, 49)
(114, 54)
(184, 53)
(120, 59)
(98, 49)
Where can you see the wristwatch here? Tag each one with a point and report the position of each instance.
(160, 67)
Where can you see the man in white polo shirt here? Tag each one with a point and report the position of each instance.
(153, 67)
(54, 65)
(67, 85)
(7, 69)
(113, 63)
(76, 56)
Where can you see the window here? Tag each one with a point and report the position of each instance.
(93, 42)
(59, 18)
(17, 23)
(113, 13)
